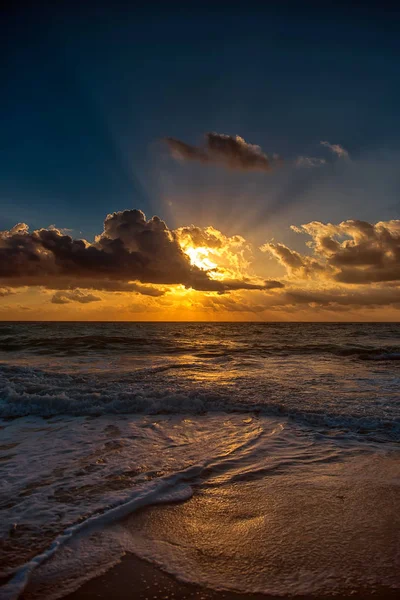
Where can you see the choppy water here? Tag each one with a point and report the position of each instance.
(98, 419)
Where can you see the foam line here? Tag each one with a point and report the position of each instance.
(168, 489)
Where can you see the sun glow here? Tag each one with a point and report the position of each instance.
(199, 257)
(209, 249)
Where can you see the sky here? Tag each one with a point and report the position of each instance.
(205, 162)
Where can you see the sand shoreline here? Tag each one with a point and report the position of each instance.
(134, 578)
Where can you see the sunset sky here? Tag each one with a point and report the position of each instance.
(199, 164)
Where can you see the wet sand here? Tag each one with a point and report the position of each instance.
(134, 578)
(289, 536)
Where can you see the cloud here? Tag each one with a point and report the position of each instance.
(64, 297)
(228, 304)
(309, 162)
(348, 298)
(345, 266)
(229, 151)
(351, 252)
(296, 264)
(129, 252)
(290, 259)
(227, 258)
(182, 151)
(331, 299)
(104, 286)
(130, 248)
(336, 149)
(4, 291)
(70, 283)
(227, 285)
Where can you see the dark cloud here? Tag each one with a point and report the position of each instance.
(57, 282)
(331, 298)
(226, 150)
(74, 296)
(216, 304)
(108, 286)
(290, 259)
(335, 300)
(227, 285)
(131, 249)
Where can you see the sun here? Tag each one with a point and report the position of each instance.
(199, 257)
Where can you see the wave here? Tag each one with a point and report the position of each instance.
(26, 391)
(362, 352)
(170, 488)
(161, 345)
(256, 513)
(83, 343)
(166, 490)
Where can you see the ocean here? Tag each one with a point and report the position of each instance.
(255, 457)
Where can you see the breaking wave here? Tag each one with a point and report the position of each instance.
(26, 391)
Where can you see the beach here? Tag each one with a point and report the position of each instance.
(266, 463)
(138, 579)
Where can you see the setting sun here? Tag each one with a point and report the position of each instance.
(199, 257)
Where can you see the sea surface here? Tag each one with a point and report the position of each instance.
(263, 457)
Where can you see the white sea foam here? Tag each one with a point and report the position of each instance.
(364, 405)
(307, 518)
(157, 443)
(166, 490)
(58, 473)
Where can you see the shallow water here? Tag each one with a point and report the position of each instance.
(284, 436)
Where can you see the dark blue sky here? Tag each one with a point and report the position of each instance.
(88, 92)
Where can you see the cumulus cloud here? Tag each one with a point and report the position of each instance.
(129, 252)
(336, 149)
(228, 258)
(223, 255)
(130, 248)
(351, 252)
(65, 297)
(229, 151)
(344, 266)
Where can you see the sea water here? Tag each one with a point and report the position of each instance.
(265, 455)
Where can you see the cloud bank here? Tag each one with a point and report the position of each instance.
(345, 268)
(129, 252)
